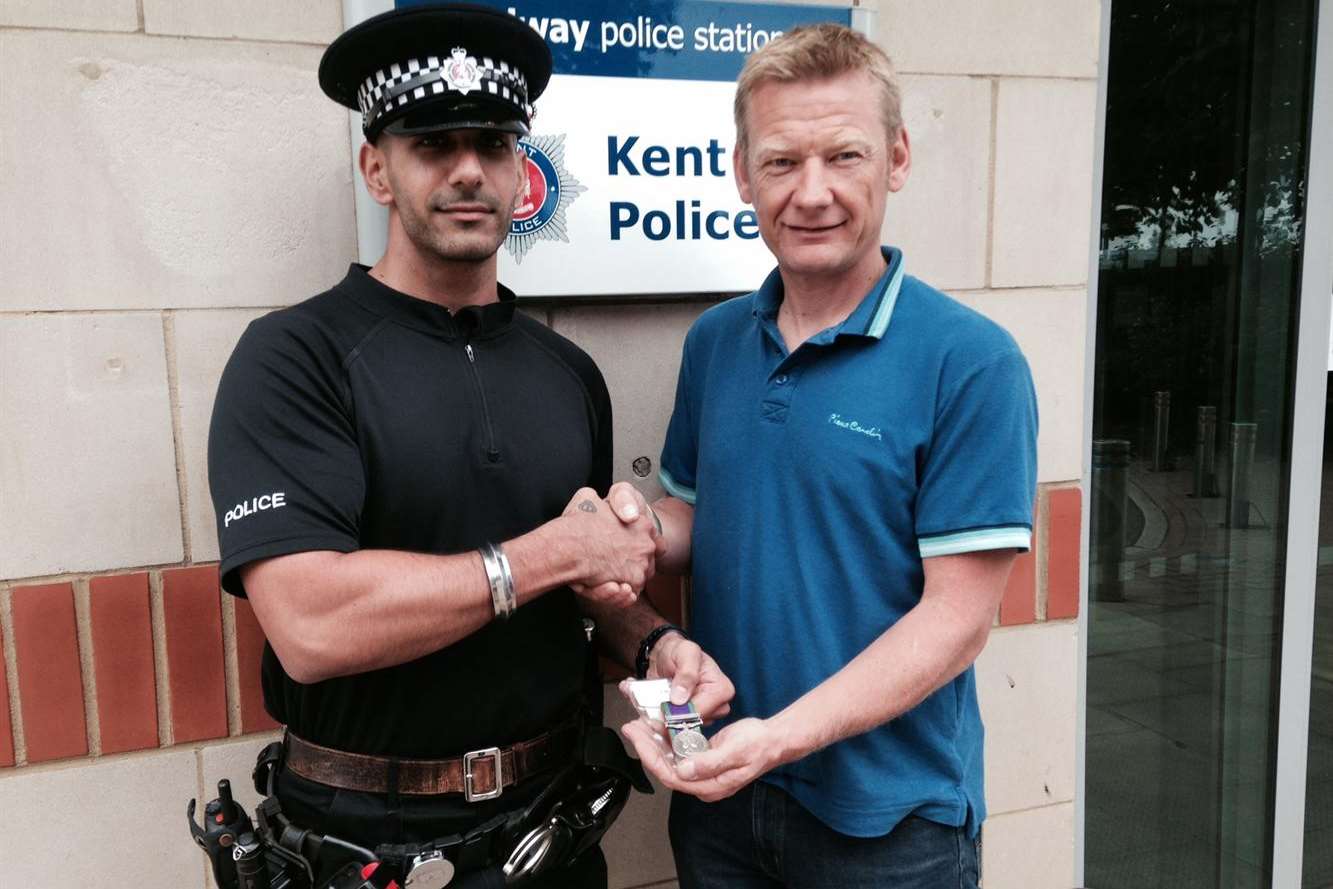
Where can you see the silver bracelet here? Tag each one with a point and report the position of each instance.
(656, 521)
(501, 599)
(511, 597)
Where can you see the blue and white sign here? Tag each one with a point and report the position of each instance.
(630, 187)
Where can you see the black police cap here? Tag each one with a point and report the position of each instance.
(438, 66)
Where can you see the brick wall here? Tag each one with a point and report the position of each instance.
(169, 171)
(111, 663)
(116, 662)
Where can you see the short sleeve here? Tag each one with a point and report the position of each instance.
(980, 474)
(284, 468)
(680, 453)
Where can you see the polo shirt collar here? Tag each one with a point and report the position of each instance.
(871, 316)
(381, 299)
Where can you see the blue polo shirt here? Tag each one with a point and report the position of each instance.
(820, 479)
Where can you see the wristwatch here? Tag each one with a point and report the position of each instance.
(646, 647)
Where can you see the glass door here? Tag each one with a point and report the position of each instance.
(1203, 202)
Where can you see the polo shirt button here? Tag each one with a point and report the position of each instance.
(781, 380)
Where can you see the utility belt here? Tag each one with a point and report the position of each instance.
(591, 776)
(477, 775)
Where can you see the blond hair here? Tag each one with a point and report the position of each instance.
(817, 52)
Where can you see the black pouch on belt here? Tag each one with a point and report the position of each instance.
(577, 809)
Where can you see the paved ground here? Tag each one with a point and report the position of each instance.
(1182, 695)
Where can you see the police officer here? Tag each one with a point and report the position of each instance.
(406, 473)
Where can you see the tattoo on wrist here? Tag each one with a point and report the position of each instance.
(587, 506)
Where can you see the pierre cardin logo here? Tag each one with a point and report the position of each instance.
(548, 190)
(276, 500)
(855, 426)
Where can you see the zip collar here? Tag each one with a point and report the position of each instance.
(471, 322)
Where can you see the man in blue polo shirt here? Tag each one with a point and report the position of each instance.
(852, 465)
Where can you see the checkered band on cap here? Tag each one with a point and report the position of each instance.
(404, 84)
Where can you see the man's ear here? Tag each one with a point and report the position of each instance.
(742, 175)
(900, 160)
(375, 173)
(520, 158)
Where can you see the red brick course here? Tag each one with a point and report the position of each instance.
(193, 609)
(122, 633)
(6, 729)
(249, 655)
(46, 642)
(1019, 605)
(1065, 508)
(50, 684)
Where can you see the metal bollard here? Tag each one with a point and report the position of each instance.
(1161, 427)
(1205, 452)
(1110, 502)
(1242, 462)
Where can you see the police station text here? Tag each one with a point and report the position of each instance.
(687, 219)
(644, 33)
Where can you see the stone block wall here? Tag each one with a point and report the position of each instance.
(169, 171)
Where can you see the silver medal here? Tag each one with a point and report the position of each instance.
(688, 742)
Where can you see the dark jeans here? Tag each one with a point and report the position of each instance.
(370, 819)
(761, 838)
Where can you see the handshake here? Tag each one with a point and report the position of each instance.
(620, 544)
(620, 541)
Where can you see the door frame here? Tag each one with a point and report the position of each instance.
(1313, 364)
(1089, 378)
(1307, 438)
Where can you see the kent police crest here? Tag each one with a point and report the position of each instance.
(461, 72)
(549, 189)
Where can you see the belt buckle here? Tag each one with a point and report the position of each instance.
(468, 760)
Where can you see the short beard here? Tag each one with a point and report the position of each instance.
(428, 241)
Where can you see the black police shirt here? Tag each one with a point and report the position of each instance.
(364, 418)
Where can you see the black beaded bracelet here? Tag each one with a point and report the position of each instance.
(646, 647)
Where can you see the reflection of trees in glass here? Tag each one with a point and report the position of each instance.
(1176, 159)
(1207, 112)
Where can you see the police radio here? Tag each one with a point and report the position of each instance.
(246, 856)
(224, 824)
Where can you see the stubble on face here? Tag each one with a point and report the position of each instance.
(432, 227)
